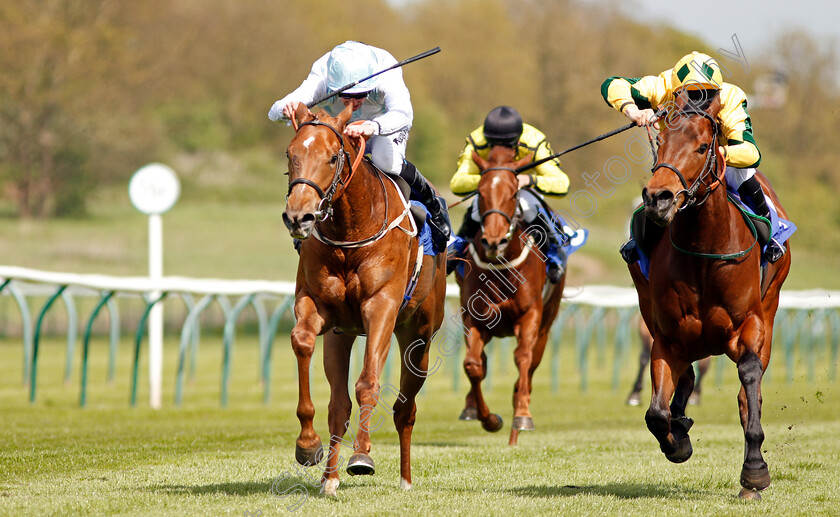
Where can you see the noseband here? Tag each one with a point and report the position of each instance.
(709, 167)
(325, 206)
(511, 219)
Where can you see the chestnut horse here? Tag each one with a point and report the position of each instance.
(351, 280)
(504, 291)
(707, 294)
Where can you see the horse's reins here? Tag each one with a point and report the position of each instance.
(584, 144)
(330, 195)
(325, 206)
(710, 166)
(511, 219)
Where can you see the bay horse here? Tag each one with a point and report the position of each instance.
(635, 397)
(351, 280)
(504, 291)
(707, 293)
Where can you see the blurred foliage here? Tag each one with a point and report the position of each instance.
(93, 89)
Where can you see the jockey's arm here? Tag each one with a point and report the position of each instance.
(466, 178)
(399, 114)
(739, 144)
(637, 97)
(312, 88)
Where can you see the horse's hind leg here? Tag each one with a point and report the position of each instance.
(671, 432)
(308, 449)
(635, 397)
(337, 348)
(702, 368)
(414, 350)
(475, 365)
(470, 412)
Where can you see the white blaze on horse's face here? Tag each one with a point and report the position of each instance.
(308, 142)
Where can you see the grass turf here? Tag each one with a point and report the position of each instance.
(590, 454)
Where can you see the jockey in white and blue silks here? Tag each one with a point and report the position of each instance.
(382, 103)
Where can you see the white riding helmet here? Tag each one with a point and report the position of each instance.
(350, 62)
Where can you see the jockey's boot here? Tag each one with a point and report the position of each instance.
(436, 205)
(556, 262)
(629, 252)
(552, 249)
(458, 248)
(753, 195)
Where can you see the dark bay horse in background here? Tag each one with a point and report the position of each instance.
(504, 291)
(351, 281)
(707, 293)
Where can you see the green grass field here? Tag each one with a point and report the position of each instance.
(590, 454)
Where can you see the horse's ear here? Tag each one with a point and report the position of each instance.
(344, 116)
(715, 105)
(681, 99)
(302, 114)
(524, 161)
(481, 162)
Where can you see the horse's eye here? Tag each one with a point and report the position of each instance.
(703, 148)
(286, 173)
(334, 159)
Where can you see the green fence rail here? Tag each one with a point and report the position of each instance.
(807, 326)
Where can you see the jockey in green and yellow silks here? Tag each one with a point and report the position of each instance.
(503, 126)
(699, 76)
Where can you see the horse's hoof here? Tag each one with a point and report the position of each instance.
(755, 479)
(683, 452)
(309, 456)
(634, 399)
(493, 424)
(329, 487)
(469, 413)
(523, 423)
(360, 465)
(405, 485)
(749, 495)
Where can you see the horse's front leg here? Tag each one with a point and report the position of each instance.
(379, 315)
(527, 335)
(755, 475)
(670, 430)
(475, 366)
(337, 348)
(309, 323)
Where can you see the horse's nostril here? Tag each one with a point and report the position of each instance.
(485, 242)
(503, 242)
(664, 195)
(308, 217)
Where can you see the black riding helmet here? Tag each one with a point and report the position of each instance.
(503, 126)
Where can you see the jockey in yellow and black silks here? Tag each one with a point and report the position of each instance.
(504, 126)
(699, 76)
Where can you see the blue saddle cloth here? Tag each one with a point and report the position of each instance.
(424, 233)
(780, 229)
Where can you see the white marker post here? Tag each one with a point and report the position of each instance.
(153, 190)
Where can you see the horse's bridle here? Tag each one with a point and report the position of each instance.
(325, 206)
(709, 167)
(511, 219)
